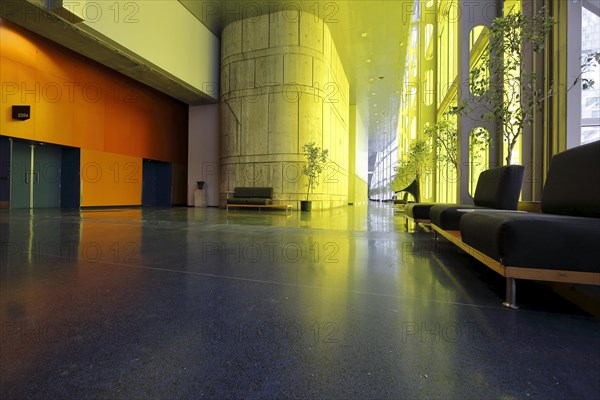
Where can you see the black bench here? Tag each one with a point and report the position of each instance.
(497, 188)
(255, 197)
(562, 244)
(258, 196)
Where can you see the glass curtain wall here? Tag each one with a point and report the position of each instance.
(590, 99)
(447, 60)
(385, 165)
(440, 41)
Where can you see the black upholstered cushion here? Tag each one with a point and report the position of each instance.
(250, 192)
(249, 195)
(535, 240)
(266, 192)
(573, 182)
(259, 201)
(447, 216)
(499, 187)
(418, 210)
(243, 192)
(236, 200)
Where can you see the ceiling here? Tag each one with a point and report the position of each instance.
(370, 36)
(64, 28)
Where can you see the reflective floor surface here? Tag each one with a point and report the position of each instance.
(198, 303)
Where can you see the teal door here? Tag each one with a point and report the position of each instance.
(21, 175)
(35, 178)
(4, 172)
(46, 178)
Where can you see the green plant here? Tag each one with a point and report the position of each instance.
(506, 92)
(511, 99)
(591, 61)
(316, 160)
(444, 139)
(412, 166)
(479, 142)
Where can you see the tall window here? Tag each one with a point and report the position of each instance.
(383, 172)
(590, 99)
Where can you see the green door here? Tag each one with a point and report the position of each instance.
(21, 175)
(35, 175)
(46, 178)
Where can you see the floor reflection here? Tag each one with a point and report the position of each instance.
(341, 302)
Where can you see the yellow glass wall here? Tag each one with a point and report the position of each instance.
(438, 40)
(447, 61)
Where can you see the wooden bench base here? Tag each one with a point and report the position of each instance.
(512, 273)
(416, 221)
(284, 207)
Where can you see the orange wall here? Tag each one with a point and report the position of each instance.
(109, 179)
(78, 102)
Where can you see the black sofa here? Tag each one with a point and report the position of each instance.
(259, 196)
(497, 188)
(561, 244)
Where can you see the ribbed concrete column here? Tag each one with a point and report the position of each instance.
(282, 85)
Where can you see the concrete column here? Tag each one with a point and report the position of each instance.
(282, 85)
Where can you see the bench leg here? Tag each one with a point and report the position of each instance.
(511, 294)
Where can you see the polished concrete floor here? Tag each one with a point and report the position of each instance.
(197, 303)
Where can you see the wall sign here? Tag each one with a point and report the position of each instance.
(22, 113)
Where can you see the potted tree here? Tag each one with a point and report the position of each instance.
(444, 139)
(316, 158)
(505, 91)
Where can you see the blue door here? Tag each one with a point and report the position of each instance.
(156, 184)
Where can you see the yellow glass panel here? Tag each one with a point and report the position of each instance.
(479, 54)
(429, 41)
